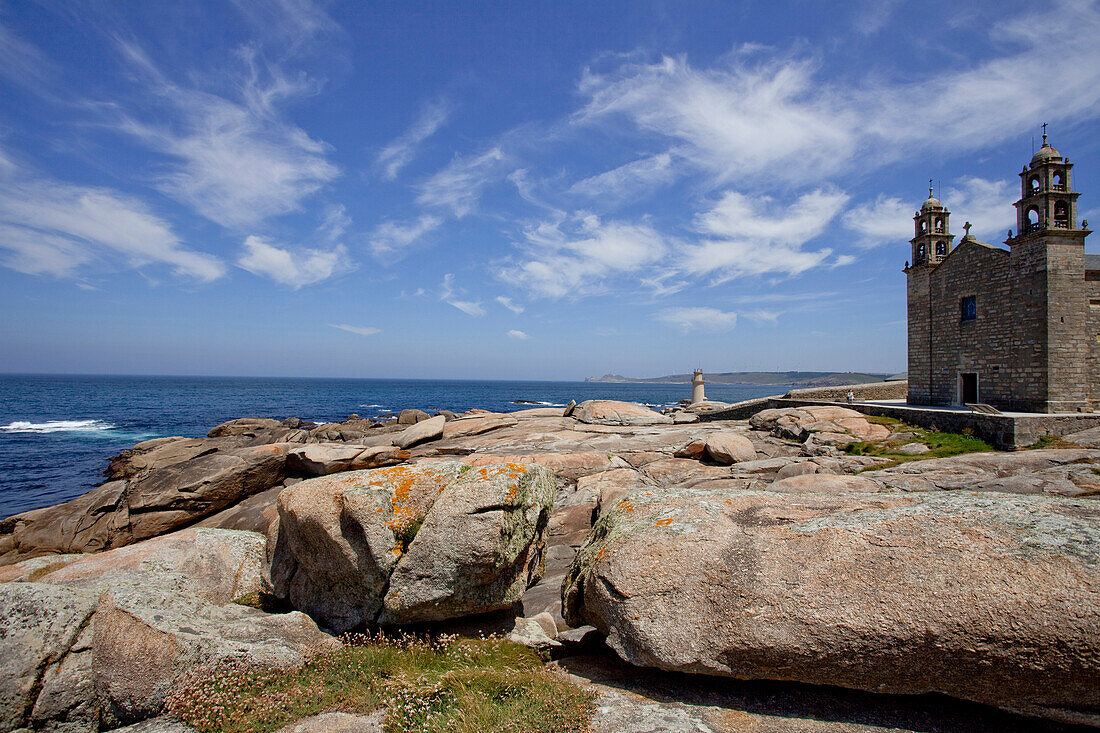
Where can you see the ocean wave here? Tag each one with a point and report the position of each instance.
(536, 402)
(57, 426)
(372, 405)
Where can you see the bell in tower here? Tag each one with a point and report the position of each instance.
(932, 240)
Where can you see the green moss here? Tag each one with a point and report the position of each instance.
(442, 684)
(942, 445)
(263, 601)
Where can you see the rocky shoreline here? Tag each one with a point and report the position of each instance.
(806, 546)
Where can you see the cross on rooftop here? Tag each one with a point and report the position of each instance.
(966, 226)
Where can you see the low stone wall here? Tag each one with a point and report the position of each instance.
(1000, 431)
(896, 390)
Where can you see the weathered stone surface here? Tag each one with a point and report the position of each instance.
(410, 543)
(887, 592)
(570, 466)
(1057, 472)
(611, 412)
(729, 448)
(462, 427)
(828, 425)
(320, 459)
(254, 514)
(337, 722)
(129, 622)
(421, 432)
(411, 417)
(824, 484)
(244, 426)
(38, 626)
(479, 548)
(538, 632)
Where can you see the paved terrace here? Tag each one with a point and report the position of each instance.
(1007, 431)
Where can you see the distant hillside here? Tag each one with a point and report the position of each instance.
(796, 379)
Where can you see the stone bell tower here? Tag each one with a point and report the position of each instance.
(932, 241)
(1048, 254)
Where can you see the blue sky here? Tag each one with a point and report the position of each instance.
(541, 190)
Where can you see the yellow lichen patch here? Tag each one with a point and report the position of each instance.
(626, 505)
(663, 522)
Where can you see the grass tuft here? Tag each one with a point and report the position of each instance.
(942, 445)
(425, 684)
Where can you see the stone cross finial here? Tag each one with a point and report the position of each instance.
(966, 226)
(929, 188)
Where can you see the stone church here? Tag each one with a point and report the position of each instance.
(1016, 328)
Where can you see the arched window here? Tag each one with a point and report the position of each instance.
(1061, 214)
(941, 249)
(1032, 222)
(939, 223)
(1033, 184)
(923, 226)
(1059, 181)
(920, 253)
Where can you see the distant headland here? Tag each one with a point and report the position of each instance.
(794, 379)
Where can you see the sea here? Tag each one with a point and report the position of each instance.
(58, 432)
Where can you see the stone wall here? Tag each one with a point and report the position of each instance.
(1001, 431)
(895, 390)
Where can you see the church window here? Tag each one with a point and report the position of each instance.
(920, 253)
(1033, 184)
(923, 227)
(1059, 181)
(969, 308)
(941, 249)
(939, 224)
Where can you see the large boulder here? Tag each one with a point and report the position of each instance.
(729, 447)
(103, 638)
(421, 432)
(612, 412)
(320, 459)
(826, 424)
(411, 543)
(153, 502)
(989, 597)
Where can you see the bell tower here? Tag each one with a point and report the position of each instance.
(1048, 255)
(932, 237)
(931, 243)
(1047, 199)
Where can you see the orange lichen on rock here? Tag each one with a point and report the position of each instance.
(663, 522)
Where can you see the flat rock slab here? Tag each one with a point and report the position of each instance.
(645, 700)
(612, 412)
(990, 597)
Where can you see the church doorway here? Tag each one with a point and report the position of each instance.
(968, 388)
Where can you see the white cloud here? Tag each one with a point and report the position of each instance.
(459, 185)
(292, 268)
(237, 162)
(519, 335)
(22, 62)
(886, 220)
(762, 316)
(395, 156)
(987, 205)
(361, 330)
(390, 236)
(630, 181)
(450, 297)
(297, 20)
(773, 116)
(334, 222)
(51, 227)
(574, 257)
(698, 319)
(742, 120)
(507, 303)
(753, 236)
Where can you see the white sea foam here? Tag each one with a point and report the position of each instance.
(371, 405)
(56, 426)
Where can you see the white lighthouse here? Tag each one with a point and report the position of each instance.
(697, 393)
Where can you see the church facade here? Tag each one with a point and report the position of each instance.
(1015, 328)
